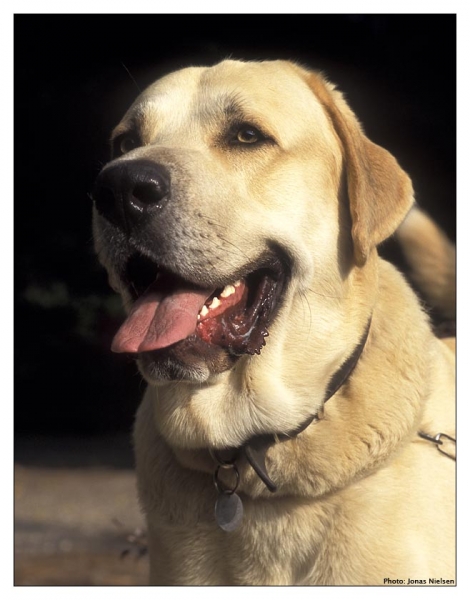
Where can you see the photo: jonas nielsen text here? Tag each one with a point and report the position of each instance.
(421, 581)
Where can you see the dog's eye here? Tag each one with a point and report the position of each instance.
(127, 143)
(124, 143)
(245, 134)
(249, 135)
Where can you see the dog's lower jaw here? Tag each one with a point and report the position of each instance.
(256, 395)
(173, 368)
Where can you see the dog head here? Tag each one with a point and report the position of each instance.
(241, 199)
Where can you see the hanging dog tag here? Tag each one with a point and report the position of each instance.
(228, 507)
(228, 511)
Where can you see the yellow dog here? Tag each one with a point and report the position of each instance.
(244, 200)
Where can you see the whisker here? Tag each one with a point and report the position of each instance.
(130, 75)
(304, 297)
(327, 295)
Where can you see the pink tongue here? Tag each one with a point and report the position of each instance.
(157, 320)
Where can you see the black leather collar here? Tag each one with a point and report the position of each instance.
(256, 447)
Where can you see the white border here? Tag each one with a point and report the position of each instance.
(6, 239)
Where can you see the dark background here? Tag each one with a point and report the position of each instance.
(75, 75)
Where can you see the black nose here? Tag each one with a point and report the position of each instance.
(126, 191)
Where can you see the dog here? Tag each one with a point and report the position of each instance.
(299, 421)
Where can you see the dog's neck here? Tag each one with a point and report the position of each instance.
(254, 449)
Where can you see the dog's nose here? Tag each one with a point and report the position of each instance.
(126, 191)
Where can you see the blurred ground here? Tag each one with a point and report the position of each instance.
(77, 520)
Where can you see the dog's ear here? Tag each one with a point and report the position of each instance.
(380, 192)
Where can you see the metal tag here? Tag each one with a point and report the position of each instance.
(228, 511)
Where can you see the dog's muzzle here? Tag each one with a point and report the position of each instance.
(180, 305)
(126, 191)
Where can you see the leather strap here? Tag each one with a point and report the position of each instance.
(256, 447)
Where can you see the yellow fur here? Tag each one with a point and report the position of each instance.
(361, 497)
(431, 256)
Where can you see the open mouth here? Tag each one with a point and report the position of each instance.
(167, 309)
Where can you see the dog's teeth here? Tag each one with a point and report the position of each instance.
(215, 303)
(204, 311)
(227, 291)
(237, 283)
